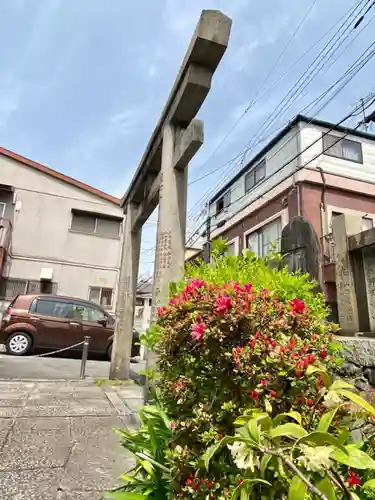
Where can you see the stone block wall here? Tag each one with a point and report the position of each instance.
(359, 365)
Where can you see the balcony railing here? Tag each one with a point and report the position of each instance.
(5, 233)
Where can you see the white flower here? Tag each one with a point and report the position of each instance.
(243, 456)
(316, 459)
(332, 400)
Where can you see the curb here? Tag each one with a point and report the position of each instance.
(123, 411)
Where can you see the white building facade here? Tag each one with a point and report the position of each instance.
(65, 236)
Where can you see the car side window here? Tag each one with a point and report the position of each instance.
(86, 313)
(96, 315)
(80, 312)
(53, 308)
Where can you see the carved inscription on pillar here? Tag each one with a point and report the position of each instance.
(344, 289)
(164, 252)
(369, 271)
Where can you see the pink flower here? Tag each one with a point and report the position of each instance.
(197, 331)
(161, 311)
(223, 304)
(173, 426)
(298, 306)
(248, 287)
(197, 283)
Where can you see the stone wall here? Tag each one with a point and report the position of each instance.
(359, 365)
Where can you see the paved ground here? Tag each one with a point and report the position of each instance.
(56, 438)
(27, 367)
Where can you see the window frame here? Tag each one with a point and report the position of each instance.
(101, 288)
(259, 230)
(2, 211)
(260, 165)
(96, 217)
(226, 195)
(341, 142)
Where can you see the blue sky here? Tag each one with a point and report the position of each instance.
(82, 83)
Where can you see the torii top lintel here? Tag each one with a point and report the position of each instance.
(193, 82)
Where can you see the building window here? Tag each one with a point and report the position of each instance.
(223, 202)
(255, 176)
(10, 287)
(2, 209)
(98, 225)
(265, 239)
(344, 148)
(101, 296)
(367, 223)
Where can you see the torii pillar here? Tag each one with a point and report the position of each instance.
(161, 178)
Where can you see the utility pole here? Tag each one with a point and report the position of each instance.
(364, 115)
(207, 245)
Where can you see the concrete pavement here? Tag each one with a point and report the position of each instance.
(52, 368)
(56, 438)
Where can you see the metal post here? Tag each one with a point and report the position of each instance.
(85, 351)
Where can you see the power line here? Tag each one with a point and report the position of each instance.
(349, 15)
(342, 81)
(370, 98)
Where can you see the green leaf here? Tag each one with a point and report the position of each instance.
(291, 414)
(325, 486)
(326, 420)
(246, 485)
(124, 495)
(288, 430)
(357, 400)
(297, 489)
(355, 458)
(369, 484)
(340, 384)
(315, 369)
(264, 464)
(212, 450)
(322, 439)
(254, 430)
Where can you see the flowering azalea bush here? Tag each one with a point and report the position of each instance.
(292, 457)
(243, 338)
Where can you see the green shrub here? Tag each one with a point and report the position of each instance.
(244, 337)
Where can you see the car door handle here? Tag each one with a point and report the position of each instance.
(73, 323)
(34, 318)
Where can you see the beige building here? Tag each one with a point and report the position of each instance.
(57, 234)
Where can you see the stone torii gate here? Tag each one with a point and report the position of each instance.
(161, 178)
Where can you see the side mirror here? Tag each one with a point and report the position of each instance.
(102, 321)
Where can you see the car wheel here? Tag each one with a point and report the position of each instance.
(109, 352)
(18, 344)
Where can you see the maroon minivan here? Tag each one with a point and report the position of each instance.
(52, 322)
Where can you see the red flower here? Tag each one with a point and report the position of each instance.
(323, 353)
(252, 344)
(223, 304)
(172, 425)
(209, 485)
(248, 287)
(298, 306)
(197, 331)
(189, 482)
(353, 479)
(263, 382)
(310, 402)
(161, 311)
(273, 394)
(254, 394)
(299, 373)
